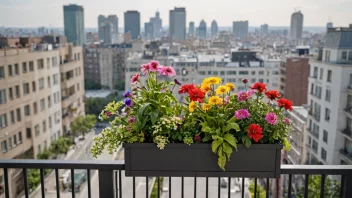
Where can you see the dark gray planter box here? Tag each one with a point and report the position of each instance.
(181, 160)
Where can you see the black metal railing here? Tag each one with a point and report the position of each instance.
(110, 180)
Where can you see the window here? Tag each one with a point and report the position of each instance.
(3, 121)
(4, 146)
(49, 101)
(10, 70)
(329, 75)
(215, 73)
(323, 154)
(325, 136)
(41, 83)
(2, 96)
(201, 72)
(31, 66)
(45, 145)
(10, 93)
(327, 95)
(49, 83)
(25, 89)
(56, 79)
(44, 126)
(253, 80)
(50, 122)
(327, 114)
(40, 64)
(318, 91)
(42, 104)
(350, 55)
(57, 117)
(253, 72)
(24, 67)
(33, 86)
(18, 114)
(315, 146)
(29, 132)
(19, 137)
(14, 140)
(10, 143)
(48, 63)
(17, 71)
(2, 72)
(350, 85)
(312, 88)
(315, 72)
(221, 73)
(261, 72)
(54, 61)
(27, 110)
(209, 72)
(327, 56)
(231, 72)
(321, 73)
(243, 72)
(78, 87)
(12, 117)
(35, 108)
(344, 55)
(36, 130)
(17, 91)
(261, 80)
(39, 148)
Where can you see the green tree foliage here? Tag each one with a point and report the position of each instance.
(90, 85)
(332, 188)
(119, 85)
(83, 124)
(61, 146)
(46, 154)
(33, 178)
(95, 105)
(261, 193)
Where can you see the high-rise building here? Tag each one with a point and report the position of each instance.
(108, 28)
(202, 30)
(177, 27)
(329, 25)
(148, 30)
(132, 23)
(330, 100)
(296, 25)
(191, 28)
(214, 28)
(240, 29)
(157, 26)
(74, 24)
(264, 28)
(41, 31)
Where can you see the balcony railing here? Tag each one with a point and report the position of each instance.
(347, 132)
(348, 110)
(110, 179)
(312, 132)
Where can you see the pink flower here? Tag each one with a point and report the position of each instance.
(227, 100)
(287, 121)
(167, 71)
(145, 68)
(271, 118)
(154, 66)
(135, 78)
(242, 114)
(245, 95)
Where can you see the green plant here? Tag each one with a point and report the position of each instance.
(33, 178)
(83, 124)
(61, 146)
(88, 85)
(46, 154)
(154, 193)
(332, 188)
(260, 192)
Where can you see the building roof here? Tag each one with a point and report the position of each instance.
(339, 38)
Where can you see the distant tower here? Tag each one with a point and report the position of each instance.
(177, 27)
(264, 28)
(296, 25)
(240, 29)
(214, 28)
(74, 24)
(108, 28)
(202, 30)
(133, 23)
(329, 25)
(191, 28)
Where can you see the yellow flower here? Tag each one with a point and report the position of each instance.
(215, 100)
(231, 86)
(222, 90)
(206, 107)
(214, 80)
(192, 106)
(205, 87)
(206, 81)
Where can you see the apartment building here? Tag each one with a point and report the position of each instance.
(330, 100)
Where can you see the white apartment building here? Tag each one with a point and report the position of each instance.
(330, 100)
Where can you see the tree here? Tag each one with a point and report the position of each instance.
(90, 85)
(46, 154)
(61, 146)
(120, 85)
(96, 105)
(82, 124)
(261, 193)
(331, 190)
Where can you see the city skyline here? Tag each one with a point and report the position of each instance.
(274, 12)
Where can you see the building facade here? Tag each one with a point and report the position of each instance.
(264, 28)
(74, 24)
(108, 29)
(214, 28)
(133, 23)
(240, 29)
(296, 27)
(177, 24)
(191, 29)
(202, 30)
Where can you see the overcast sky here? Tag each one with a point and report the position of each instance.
(34, 13)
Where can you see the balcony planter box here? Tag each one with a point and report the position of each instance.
(197, 160)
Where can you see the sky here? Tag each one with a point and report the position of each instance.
(49, 13)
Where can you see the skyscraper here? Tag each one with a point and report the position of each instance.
(191, 28)
(202, 30)
(157, 25)
(240, 29)
(329, 25)
(108, 28)
(133, 23)
(177, 27)
(148, 30)
(214, 28)
(296, 25)
(74, 24)
(264, 28)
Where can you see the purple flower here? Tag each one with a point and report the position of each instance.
(287, 121)
(244, 95)
(177, 82)
(197, 138)
(128, 102)
(271, 118)
(131, 120)
(127, 94)
(242, 114)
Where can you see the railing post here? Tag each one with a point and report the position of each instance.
(347, 186)
(106, 184)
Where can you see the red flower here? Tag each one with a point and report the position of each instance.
(255, 132)
(287, 104)
(197, 138)
(186, 88)
(135, 78)
(245, 81)
(196, 94)
(261, 87)
(272, 94)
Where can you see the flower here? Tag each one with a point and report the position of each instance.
(154, 66)
(205, 87)
(213, 80)
(206, 107)
(255, 132)
(131, 120)
(167, 71)
(197, 138)
(261, 87)
(287, 121)
(177, 82)
(287, 104)
(186, 88)
(272, 94)
(127, 94)
(135, 78)
(108, 113)
(242, 114)
(244, 95)
(145, 68)
(128, 102)
(196, 94)
(271, 118)
(222, 90)
(192, 106)
(227, 100)
(230, 86)
(215, 100)
(245, 80)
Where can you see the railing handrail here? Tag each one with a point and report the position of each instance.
(317, 169)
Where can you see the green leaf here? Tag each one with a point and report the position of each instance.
(141, 110)
(229, 138)
(216, 137)
(215, 145)
(222, 161)
(206, 129)
(206, 138)
(231, 125)
(246, 141)
(153, 116)
(227, 149)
